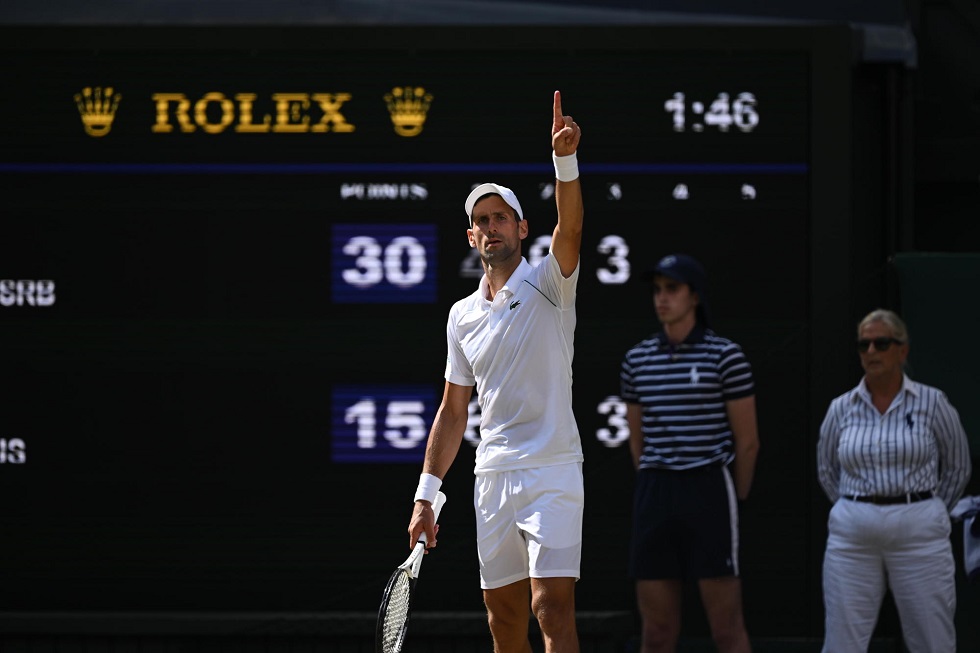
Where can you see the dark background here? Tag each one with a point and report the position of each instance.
(176, 400)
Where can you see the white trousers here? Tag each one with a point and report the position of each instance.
(904, 547)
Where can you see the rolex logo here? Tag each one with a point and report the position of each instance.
(98, 108)
(408, 107)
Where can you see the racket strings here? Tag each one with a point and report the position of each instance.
(396, 612)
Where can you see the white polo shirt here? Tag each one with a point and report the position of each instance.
(518, 351)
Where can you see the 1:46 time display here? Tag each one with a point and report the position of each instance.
(722, 113)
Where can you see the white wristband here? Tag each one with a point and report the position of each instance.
(428, 487)
(566, 167)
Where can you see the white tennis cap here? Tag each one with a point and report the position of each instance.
(485, 189)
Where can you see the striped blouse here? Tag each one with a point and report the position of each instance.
(682, 390)
(918, 445)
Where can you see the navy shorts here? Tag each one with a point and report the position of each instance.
(685, 525)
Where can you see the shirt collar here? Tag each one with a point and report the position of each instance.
(516, 278)
(908, 387)
(695, 336)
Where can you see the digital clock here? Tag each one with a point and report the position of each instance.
(722, 113)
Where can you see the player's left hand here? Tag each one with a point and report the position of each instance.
(565, 132)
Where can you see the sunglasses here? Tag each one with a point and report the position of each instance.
(881, 344)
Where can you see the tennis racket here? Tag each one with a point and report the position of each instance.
(396, 602)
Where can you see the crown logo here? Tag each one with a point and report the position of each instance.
(408, 107)
(97, 107)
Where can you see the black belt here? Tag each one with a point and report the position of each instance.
(909, 497)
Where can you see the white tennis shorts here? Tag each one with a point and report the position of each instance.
(529, 524)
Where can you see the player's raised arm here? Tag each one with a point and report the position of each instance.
(567, 239)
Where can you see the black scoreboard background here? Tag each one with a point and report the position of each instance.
(222, 312)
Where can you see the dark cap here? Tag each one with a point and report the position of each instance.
(686, 269)
(680, 267)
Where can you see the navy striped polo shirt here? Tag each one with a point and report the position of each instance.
(682, 390)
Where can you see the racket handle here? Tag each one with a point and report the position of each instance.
(436, 508)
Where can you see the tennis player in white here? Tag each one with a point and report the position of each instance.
(513, 340)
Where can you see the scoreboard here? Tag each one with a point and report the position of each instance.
(228, 257)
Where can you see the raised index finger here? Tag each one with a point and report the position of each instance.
(559, 121)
